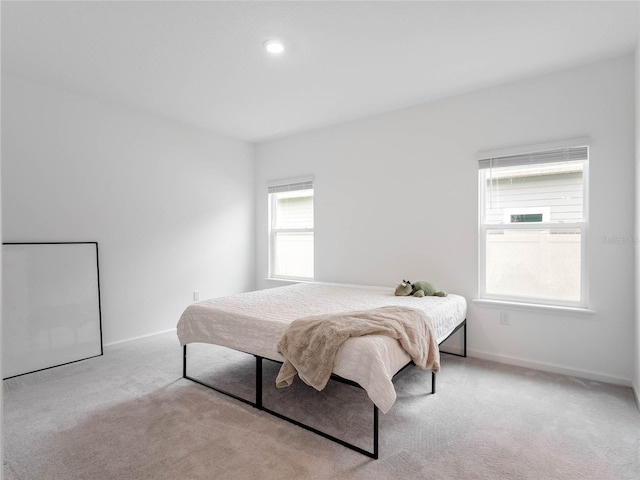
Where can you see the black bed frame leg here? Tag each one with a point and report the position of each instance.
(465, 338)
(258, 382)
(184, 361)
(375, 433)
(433, 382)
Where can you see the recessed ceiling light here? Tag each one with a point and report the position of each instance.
(274, 47)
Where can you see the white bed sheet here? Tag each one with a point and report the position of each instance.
(253, 322)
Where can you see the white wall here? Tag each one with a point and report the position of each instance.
(1, 391)
(171, 206)
(636, 378)
(396, 197)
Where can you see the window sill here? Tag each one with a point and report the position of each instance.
(533, 306)
(289, 280)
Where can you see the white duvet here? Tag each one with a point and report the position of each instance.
(253, 322)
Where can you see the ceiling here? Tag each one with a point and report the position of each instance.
(203, 63)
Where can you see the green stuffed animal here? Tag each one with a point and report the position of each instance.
(418, 289)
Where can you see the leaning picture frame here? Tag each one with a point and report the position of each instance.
(51, 312)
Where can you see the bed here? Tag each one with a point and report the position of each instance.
(253, 322)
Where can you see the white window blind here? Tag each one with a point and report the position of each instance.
(537, 158)
(291, 187)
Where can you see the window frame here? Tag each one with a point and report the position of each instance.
(284, 186)
(484, 228)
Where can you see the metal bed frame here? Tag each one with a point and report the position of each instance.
(259, 405)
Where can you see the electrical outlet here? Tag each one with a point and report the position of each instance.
(196, 295)
(504, 318)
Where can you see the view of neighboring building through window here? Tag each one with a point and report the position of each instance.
(532, 227)
(291, 230)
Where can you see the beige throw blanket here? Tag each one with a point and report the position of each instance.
(309, 345)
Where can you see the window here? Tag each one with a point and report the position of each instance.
(291, 229)
(533, 217)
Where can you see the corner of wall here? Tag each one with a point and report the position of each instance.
(636, 374)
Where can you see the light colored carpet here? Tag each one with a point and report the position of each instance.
(130, 415)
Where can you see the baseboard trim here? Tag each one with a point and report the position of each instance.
(127, 340)
(548, 367)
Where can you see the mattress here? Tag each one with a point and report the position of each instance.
(253, 322)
